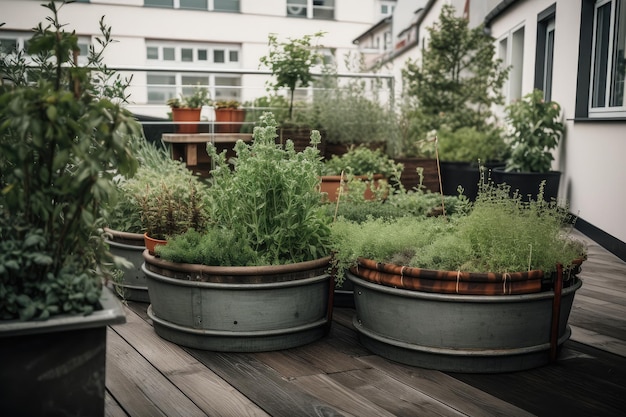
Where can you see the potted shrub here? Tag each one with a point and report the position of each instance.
(487, 290)
(256, 278)
(171, 200)
(535, 131)
(362, 164)
(124, 228)
(229, 116)
(62, 135)
(188, 108)
(463, 151)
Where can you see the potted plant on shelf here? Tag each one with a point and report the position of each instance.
(256, 278)
(488, 289)
(361, 164)
(62, 135)
(188, 108)
(535, 131)
(229, 116)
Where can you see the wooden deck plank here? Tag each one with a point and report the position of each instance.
(277, 396)
(111, 407)
(446, 389)
(397, 398)
(583, 382)
(598, 340)
(209, 392)
(140, 387)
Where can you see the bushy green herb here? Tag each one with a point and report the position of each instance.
(62, 137)
(268, 199)
(501, 233)
(468, 144)
(200, 97)
(536, 130)
(361, 160)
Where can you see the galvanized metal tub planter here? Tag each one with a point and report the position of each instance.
(56, 367)
(239, 309)
(462, 332)
(132, 284)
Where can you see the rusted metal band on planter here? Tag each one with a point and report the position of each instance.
(448, 282)
(238, 274)
(131, 239)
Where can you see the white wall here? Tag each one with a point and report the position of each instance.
(590, 154)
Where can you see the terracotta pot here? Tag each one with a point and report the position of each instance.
(229, 120)
(330, 185)
(152, 243)
(186, 115)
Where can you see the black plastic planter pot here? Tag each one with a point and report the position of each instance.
(527, 183)
(56, 367)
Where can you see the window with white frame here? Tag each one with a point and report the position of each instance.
(386, 8)
(311, 9)
(12, 42)
(511, 51)
(162, 86)
(608, 66)
(212, 5)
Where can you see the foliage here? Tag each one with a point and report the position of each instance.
(468, 144)
(227, 104)
(456, 83)
(291, 61)
(361, 160)
(500, 233)
(200, 97)
(269, 200)
(123, 212)
(171, 199)
(353, 112)
(275, 104)
(536, 129)
(61, 138)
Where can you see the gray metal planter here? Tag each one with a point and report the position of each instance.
(239, 309)
(459, 333)
(56, 367)
(133, 285)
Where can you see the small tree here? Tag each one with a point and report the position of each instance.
(291, 61)
(457, 81)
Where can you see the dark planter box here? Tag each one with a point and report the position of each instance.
(527, 183)
(56, 367)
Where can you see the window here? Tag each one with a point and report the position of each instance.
(186, 54)
(152, 52)
(169, 54)
(218, 56)
(386, 8)
(544, 57)
(511, 51)
(190, 52)
(202, 55)
(11, 42)
(311, 9)
(213, 5)
(608, 69)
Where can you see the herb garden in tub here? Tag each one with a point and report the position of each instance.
(487, 290)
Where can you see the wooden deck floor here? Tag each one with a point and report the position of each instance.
(148, 376)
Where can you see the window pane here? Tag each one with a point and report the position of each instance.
(601, 56)
(296, 8)
(202, 55)
(324, 9)
(226, 5)
(152, 52)
(191, 82)
(83, 49)
(227, 88)
(161, 87)
(186, 55)
(233, 56)
(619, 59)
(159, 3)
(8, 46)
(194, 4)
(548, 63)
(218, 56)
(169, 54)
